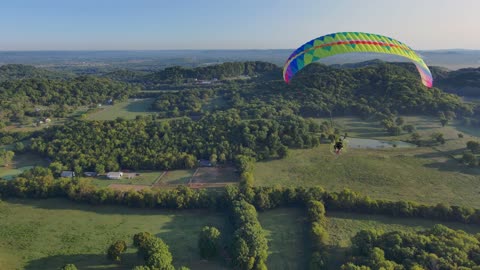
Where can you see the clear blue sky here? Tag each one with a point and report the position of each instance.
(230, 24)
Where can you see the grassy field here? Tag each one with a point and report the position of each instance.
(215, 175)
(45, 234)
(285, 230)
(145, 178)
(177, 177)
(398, 174)
(343, 226)
(21, 162)
(287, 234)
(126, 109)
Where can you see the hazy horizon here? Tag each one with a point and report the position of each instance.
(145, 25)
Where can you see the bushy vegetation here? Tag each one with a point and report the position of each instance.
(209, 242)
(437, 248)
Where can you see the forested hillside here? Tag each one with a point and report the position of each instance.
(16, 71)
(462, 82)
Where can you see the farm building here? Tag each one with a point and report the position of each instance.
(204, 163)
(68, 174)
(114, 175)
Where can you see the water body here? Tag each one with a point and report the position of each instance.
(376, 144)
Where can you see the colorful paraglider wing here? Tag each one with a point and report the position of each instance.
(352, 42)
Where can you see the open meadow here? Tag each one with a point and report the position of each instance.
(396, 174)
(46, 234)
(125, 109)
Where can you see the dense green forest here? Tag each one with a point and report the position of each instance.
(378, 90)
(148, 144)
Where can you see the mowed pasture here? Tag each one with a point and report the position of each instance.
(46, 234)
(286, 234)
(145, 178)
(396, 174)
(214, 176)
(125, 109)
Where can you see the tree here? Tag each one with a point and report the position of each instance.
(161, 259)
(438, 137)
(100, 168)
(469, 159)
(399, 121)
(209, 242)
(6, 157)
(408, 128)
(473, 146)
(19, 147)
(282, 151)
(139, 239)
(415, 138)
(116, 249)
(56, 167)
(213, 159)
(69, 266)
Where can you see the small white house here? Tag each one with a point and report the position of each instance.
(114, 175)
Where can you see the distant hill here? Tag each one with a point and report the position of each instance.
(464, 82)
(17, 71)
(86, 62)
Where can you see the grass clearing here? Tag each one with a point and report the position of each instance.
(215, 175)
(21, 163)
(395, 174)
(125, 109)
(145, 178)
(286, 234)
(46, 234)
(177, 177)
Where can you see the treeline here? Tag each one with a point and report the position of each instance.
(41, 183)
(436, 248)
(148, 144)
(177, 74)
(249, 248)
(318, 235)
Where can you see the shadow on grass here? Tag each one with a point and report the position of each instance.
(65, 204)
(84, 261)
(404, 221)
(140, 106)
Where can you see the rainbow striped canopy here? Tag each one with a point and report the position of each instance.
(352, 42)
